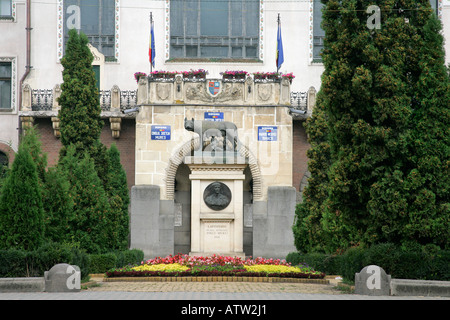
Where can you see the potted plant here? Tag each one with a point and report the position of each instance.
(137, 75)
(194, 75)
(266, 76)
(238, 75)
(163, 75)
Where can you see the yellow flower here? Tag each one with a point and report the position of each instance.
(174, 267)
(272, 268)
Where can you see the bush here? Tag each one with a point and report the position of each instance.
(13, 263)
(100, 263)
(401, 263)
(16, 263)
(126, 257)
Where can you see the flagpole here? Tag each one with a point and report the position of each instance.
(150, 44)
(279, 21)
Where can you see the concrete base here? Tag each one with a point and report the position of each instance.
(405, 287)
(272, 223)
(22, 285)
(224, 254)
(152, 222)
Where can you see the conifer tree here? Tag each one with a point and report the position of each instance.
(80, 107)
(21, 210)
(119, 197)
(385, 98)
(81, 124)
(91, 211)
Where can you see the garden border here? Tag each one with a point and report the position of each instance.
(216, 279)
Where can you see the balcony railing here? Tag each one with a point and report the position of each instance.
(42, 99)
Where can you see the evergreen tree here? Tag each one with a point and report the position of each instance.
(58, 206)
(119, 196)
(90, 224)
(80, 120)
(21, 210)
(80, 107)
(385, 101)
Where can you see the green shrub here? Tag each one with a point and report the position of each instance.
(126, 257)
(13, 263)
(100, 263)
(400, 263)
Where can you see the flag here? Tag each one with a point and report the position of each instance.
(151, 51)
(280, 55)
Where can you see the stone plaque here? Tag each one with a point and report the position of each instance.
(217, 236)
(178, 215)
(217, 196)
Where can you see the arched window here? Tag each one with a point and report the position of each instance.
(3, 163)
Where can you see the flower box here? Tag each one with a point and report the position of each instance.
(163, 75)
(234, 76)
(195, 75)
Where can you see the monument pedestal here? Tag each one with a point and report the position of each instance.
(217, 211)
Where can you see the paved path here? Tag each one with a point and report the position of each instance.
(236, 291)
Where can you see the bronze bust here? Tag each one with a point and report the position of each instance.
(217, 196)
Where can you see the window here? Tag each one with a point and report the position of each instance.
(5, 8)
(5, 85)
(435, 6)
(96, 18)
(214, 29)
(3, 163)
(318, 33)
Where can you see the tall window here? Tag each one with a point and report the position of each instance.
(5, 8)
(5, 85)
(96, 18)
(318, 33)
(214, 29)
(435, 6)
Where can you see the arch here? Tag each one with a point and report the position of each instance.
(8, 151)
(186, 149)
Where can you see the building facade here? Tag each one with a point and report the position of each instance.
(216, 36)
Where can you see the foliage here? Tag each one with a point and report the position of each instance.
(91, 209)
(415, 262)
(117, 190)
(21, 263)
(101, 262)
(58, 206)
(21, 209)
(80, 106)
(379, 163)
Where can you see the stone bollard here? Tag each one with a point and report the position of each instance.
(373, 281)
(63, 278)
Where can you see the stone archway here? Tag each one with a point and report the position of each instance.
(186, 149)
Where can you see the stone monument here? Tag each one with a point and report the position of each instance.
(217, 175)
(213, 169)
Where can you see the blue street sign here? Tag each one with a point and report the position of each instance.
(161, 132)
(214, 116)
(267, 133)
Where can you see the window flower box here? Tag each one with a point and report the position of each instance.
(234, 76)
(195, 75)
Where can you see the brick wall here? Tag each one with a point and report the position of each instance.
(126, 144)
(300, 147)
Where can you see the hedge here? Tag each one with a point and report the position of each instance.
(20, 263)
(420, 263)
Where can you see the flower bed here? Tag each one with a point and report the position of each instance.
(185, 266)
